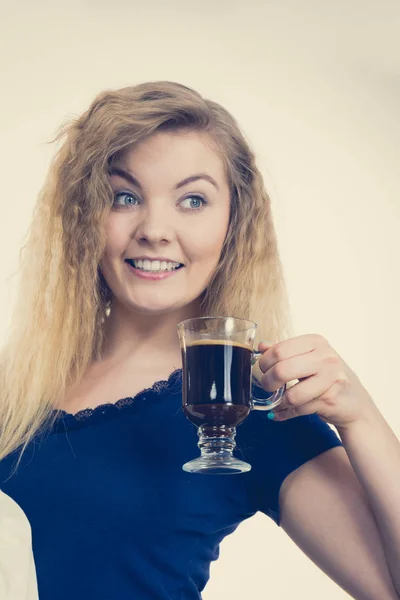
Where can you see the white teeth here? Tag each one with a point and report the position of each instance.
(155, 265)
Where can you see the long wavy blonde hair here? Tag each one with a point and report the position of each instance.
(57, 328)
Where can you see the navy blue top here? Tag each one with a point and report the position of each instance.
(113, 515)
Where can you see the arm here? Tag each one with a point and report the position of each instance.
(327, 513)
(342, 508)
(374, 452)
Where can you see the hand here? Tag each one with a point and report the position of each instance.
(326, 385)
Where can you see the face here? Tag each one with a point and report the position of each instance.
(156, 213)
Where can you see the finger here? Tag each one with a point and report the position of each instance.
(309, 408)
(280, 351)
(306, 390)
(265, 344)
(298, 367)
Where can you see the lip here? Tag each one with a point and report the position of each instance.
(152, 276)
(154, 258)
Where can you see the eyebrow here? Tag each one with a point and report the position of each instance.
(129, 177)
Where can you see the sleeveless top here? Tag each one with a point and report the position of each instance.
(112, 513)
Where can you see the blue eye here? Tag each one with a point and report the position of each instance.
(127, 194)
(126, 199)
(197, 198)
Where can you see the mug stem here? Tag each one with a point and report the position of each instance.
(217, 442)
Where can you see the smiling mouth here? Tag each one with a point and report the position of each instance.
(131, 263)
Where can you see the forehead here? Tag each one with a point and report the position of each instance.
(174, 152)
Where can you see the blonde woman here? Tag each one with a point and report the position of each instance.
(93, 437)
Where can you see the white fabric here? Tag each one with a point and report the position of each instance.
(17, 567)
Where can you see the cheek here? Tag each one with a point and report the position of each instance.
(117, 237)
(115, 244)
(206, 243)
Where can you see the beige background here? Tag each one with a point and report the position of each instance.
(316, 88)
(17, 567)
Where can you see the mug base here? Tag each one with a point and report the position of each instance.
(222, 465)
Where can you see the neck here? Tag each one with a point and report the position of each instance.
(140, 334)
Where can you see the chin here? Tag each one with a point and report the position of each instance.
(155, 303)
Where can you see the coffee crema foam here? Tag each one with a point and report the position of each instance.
(206, 342)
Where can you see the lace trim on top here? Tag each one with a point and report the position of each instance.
(88, 416)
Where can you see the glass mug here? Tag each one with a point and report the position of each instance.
(217, 361)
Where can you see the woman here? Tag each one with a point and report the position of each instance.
(93, 437)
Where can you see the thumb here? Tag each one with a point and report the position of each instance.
(264, 345)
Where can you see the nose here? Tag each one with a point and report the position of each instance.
(154, 226)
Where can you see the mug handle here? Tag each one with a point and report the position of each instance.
(276, 397)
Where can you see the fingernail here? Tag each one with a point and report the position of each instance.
(271, 415)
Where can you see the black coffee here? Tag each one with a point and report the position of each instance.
(216, 382)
